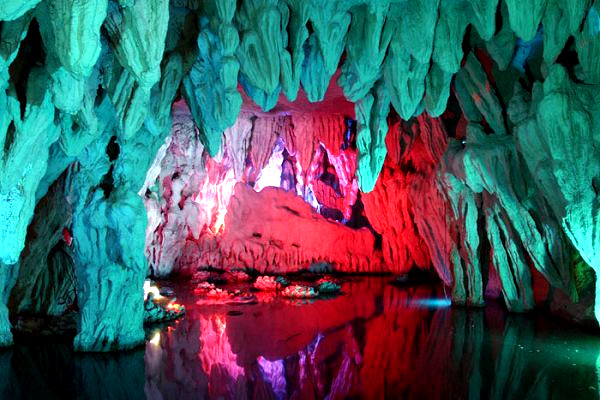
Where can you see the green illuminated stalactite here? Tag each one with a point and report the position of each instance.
(525, 16)
(588, 47)
(293, 58)
(366, 47)
(447, 54)
(330, 21)
(468, 285)
(476, 96)
(559, 143)
(501, 46)
(449, 32)
(407, 63)
(561, 20)
(261, 43)
(210, 87)
(371, 114)
(11, 33)
(437, 90)
(137, 33)
(71, 31)
(13, 9)
(484, 17)
(509, 260)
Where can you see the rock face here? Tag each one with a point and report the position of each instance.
(275, 231)
(494, 187)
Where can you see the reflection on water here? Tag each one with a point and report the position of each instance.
(374, 341)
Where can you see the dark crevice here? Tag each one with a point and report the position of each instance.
(113, 149)
(569, 59)
(107, 182)
(31, 55)
(10, 137)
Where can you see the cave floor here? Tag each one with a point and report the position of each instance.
(375, 340)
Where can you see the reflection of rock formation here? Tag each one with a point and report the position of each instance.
(398, 344)
(172, 366)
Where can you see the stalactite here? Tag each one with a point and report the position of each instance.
(407, 62)
(588, 47)
(467, 266)
(366, 47)
(237, 142)
(12, 33)
(330, 21)
(554, 138)
(371, 113)
(75, 46)
(215, 102)
(560, 21)
(261, 43)
(292, 59)
(137, 33)
(525, 16)
(10, 10)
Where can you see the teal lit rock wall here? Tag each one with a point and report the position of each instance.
(87, 88)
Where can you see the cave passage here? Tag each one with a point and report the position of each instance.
(299, 198)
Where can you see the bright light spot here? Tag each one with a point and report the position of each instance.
(155, 339)
(310, 198)
(151, 289)
(224, 193)
(432, 303)
(274, 372)
(270, 175)
(220, 324)
(213, 200)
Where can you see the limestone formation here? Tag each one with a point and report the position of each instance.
(210, 88)
(471, 147)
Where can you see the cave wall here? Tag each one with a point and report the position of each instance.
(509, 192)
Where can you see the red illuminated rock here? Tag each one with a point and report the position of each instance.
(276, 231)
(398, 206)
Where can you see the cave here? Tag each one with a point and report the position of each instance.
(284, 199)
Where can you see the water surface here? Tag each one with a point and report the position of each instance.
(373, 341)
